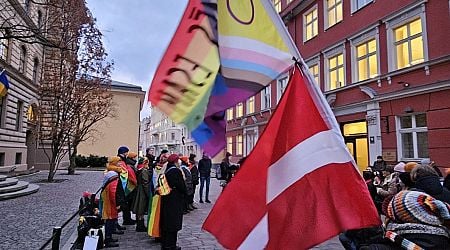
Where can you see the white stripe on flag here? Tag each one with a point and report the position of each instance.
(318, 150)
(258, 237)
(254, 45)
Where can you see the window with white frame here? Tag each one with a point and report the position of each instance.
(239, 145)
(333, 12)
(366, 60)
(315, 72)
(408, 43)
(4, 45)
(230, 144)
(230, 114)
(265, 97)
(23, 59)
(277, 5)
(250, 105)
(358, 4)
(239, 110)
(412, 136)
(335, 73)
(281, 86)
(310, 24)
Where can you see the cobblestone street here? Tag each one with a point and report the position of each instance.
(27, 222)
(191, 236)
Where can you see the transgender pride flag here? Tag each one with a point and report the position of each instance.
(222, 53)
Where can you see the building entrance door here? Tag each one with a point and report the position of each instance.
(355, 136)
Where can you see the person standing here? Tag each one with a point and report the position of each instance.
(204, 168)
(140, 202)
(128, 179)
(188, 182)
(172, 204)
(379, 164)
(195, 176)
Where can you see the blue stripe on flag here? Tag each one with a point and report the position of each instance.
(248, 66)
(202, 134)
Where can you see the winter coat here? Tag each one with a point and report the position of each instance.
(225, 173)
(204, 167)
(112, 196)
(391, 186)
(195, 175)
(140, 202)
(432, 186)
(188, 180)
(172, 205)
(379, 166)
(127, 177)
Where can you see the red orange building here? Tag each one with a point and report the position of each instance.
(384, 68)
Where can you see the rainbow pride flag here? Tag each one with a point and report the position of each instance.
(222, 53)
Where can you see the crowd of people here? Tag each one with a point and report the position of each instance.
(413, 200)
(160, 187)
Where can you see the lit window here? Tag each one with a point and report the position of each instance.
(315, 72)
(366, 60)
(230, 144)
(336, 77)
(334, 12)
(230, 114)
(277, 5)
(412, 137)
(281, 86)
(408, 43)
(239, 110)
(251, 105)
(239, 145)
(265, 98)
(310, 24)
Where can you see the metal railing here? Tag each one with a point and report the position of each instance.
(56, 235)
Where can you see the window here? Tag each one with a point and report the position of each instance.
(230, 114)
(239, 110)
(172, 136)
(23, 59)
(230, 144)
(239, 145)
(281, 86)
(310, 24)
(31, 115)
(27, 5)
(39, 19)
(315, 72)
(336, 77)
(358, 4)
(19, 115)
(251, 105)
(334, 12)
(3, 102)
(265, 98)
(2, 159)
(408, 43)
(277, 5)
(18, 158)
(4, 46)
(35, 70)
(412, 137)
(288, 1)
(366, 60)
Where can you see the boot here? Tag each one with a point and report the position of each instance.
(192, 206)
(127, 218)
(121, 227)
(110, 243)
(140, 226)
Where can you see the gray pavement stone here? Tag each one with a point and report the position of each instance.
(27, 222)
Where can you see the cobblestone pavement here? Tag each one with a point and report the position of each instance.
(191, 236)
(27, 222)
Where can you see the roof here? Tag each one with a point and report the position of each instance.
(125, 86)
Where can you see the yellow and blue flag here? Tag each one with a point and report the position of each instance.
(4, 84)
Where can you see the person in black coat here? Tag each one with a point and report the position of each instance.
(195, 177)
(426, 179)
(204, 168)
(172, 205)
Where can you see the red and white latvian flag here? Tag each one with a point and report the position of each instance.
(298, 187)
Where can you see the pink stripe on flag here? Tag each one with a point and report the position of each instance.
(254, 57)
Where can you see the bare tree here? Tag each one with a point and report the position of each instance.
(76, 77)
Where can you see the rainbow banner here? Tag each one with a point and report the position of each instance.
(222, 53)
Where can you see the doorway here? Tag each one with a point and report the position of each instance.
(31, 148)
(355, 136)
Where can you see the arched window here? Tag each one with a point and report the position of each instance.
(4, 45)
(27, 5)
(35, 70)
(23, 59)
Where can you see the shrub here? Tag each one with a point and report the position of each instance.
(92, 161)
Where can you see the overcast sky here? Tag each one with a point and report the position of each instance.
(136, 34)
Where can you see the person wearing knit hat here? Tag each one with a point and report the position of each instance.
(410, 166)
(128, 180)
(113, 164)
(427, 180)
(420, 218)
(172, 204)
(140, 203)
